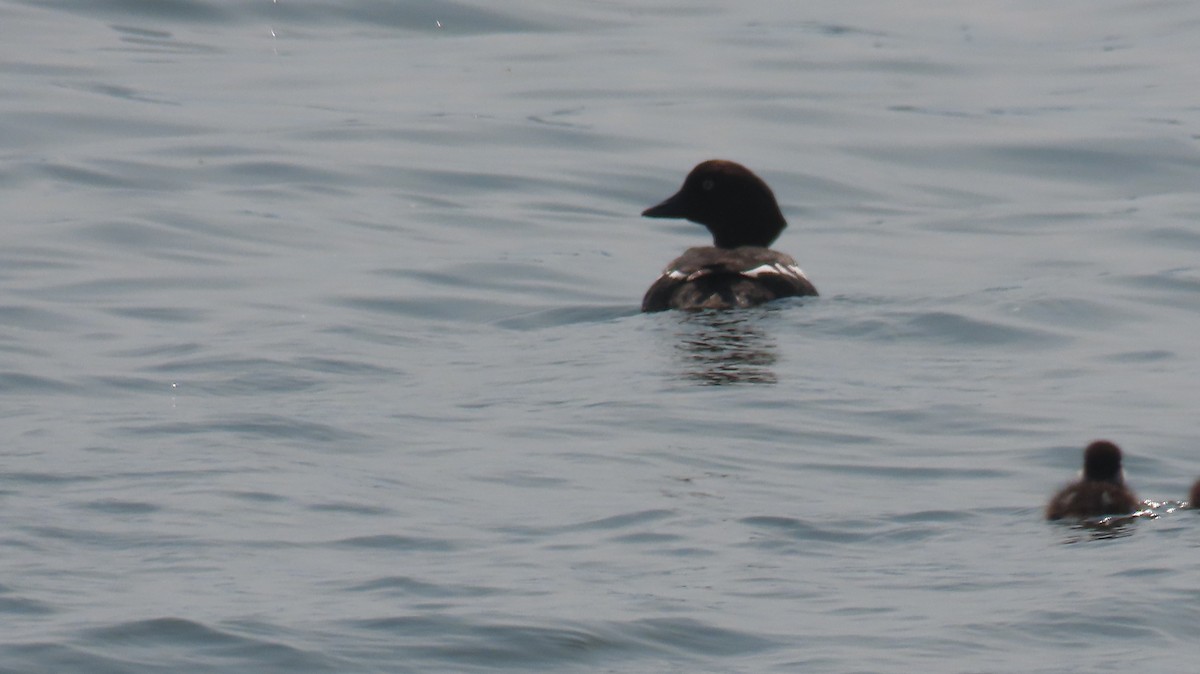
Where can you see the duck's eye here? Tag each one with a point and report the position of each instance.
(708, 185)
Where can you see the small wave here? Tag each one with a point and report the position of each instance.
(13, 603)
(560, 316)
(26, 384)
(906, 527)
(197, 646)
(120, 507)
(399, 543)
(252, 425)
(411, 587)
(445, 639)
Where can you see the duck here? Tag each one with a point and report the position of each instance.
(740, 269)
(1101, 490)
(1194, 495)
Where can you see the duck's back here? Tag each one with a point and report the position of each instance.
(1092, 499)
(726, 278)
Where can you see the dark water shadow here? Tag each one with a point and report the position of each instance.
(717, 348)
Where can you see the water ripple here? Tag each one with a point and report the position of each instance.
(412, 587)
(269, 426)
(24, 384)
(399, 543)
(205, 647)
(474, 644)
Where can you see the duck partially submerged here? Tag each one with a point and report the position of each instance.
(1101, 491)
(739, 269)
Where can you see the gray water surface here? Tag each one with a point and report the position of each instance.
(320, 347)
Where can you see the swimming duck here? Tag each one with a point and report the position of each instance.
(739, 269)
(1101, 491)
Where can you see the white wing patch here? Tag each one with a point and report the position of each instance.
(677, 275)
(777, 268)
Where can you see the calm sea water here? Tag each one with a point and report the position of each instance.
(320, 347)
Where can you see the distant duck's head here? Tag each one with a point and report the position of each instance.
(727, 198)
(1102, 463)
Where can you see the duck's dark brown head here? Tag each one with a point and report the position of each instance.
(727, 198)
(1102, 463)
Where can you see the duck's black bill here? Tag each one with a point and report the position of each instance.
(673, 207)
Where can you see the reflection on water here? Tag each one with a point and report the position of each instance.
(1112, 526)
(1099, 530)
(726, 347)
(1120, 526)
